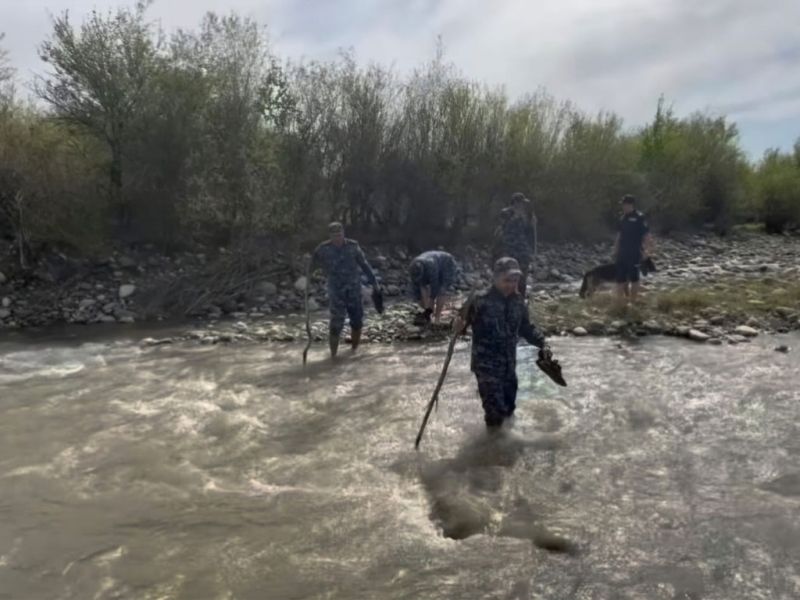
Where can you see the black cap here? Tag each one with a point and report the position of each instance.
(506, 266)
(628, 199)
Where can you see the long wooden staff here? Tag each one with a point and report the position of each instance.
(434, 401)
(308, 314)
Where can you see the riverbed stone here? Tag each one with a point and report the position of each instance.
(782, 348)
(746, 331)
(3, 278)
(126, 291)
(301, 283)
(4, 313)
(580, 332)
(698, 336)
(6, 302)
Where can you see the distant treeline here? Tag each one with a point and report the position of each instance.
(206, 136)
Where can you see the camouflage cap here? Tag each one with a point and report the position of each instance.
(519, 198)
(335, 227)
(506, 266)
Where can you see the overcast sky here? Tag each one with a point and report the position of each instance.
(738, 57)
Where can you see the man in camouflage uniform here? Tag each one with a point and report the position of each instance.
(517, 235)
(498, 317)
(433, 275)
(342, 260)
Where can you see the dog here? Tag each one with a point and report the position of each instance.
(608, 274)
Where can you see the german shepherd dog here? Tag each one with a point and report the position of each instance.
(608, 274)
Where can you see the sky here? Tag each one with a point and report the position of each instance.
(739, 58)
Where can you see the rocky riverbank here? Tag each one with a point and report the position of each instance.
(708, 289)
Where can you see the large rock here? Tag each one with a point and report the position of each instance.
(267, 288)
(698, 336)
(301, 283)
(580, 332)
(746, 331)
(126, 291)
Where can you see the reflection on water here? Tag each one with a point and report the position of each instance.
(665, 470)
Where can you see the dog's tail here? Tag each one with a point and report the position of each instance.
(584, 286)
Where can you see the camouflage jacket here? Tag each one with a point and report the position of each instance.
(497, 324)
(439, 268)
(342, 265)
(518, 238)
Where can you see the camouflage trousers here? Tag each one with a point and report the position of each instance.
(498, 397)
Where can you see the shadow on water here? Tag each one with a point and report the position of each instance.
(473, 493)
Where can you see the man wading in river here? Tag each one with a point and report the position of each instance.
(433, 275)
(498, 318)
(342, 260)
(633, 244)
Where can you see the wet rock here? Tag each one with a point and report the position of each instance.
(737, 339)
(240, 326)
(746, 331)
(147, 342)
(126, 291)
(6, 302)
(717, 320)
(124, 316)
(698, 336)
(3, 278)
(313, 304)
(102, 318)
(782, 348)
(301, 283)
(4, 313)
(596, 327)
(580, 332)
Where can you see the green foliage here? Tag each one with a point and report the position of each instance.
(693, 170)
(207, 136)
(777, 184)
(49, 183)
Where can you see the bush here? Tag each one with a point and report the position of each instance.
(777, 183)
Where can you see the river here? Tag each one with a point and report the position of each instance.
(665, 470)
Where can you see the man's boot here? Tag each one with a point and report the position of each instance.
(333, 342)
(355, 338)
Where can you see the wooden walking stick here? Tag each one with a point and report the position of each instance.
(434, 401)
(308, 315)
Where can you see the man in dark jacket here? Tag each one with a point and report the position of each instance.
(498, 317)
(633, 244)
(343, 261)
(433, 276)
(518, 235)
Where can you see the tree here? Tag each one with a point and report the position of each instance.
(102, 75)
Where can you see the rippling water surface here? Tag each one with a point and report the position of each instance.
(665, 470)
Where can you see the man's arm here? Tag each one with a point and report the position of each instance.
(465, 316)
(529, 331)
(647, 239)
(362, 262)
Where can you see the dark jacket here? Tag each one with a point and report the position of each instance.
(342, 265)
(497, 324)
